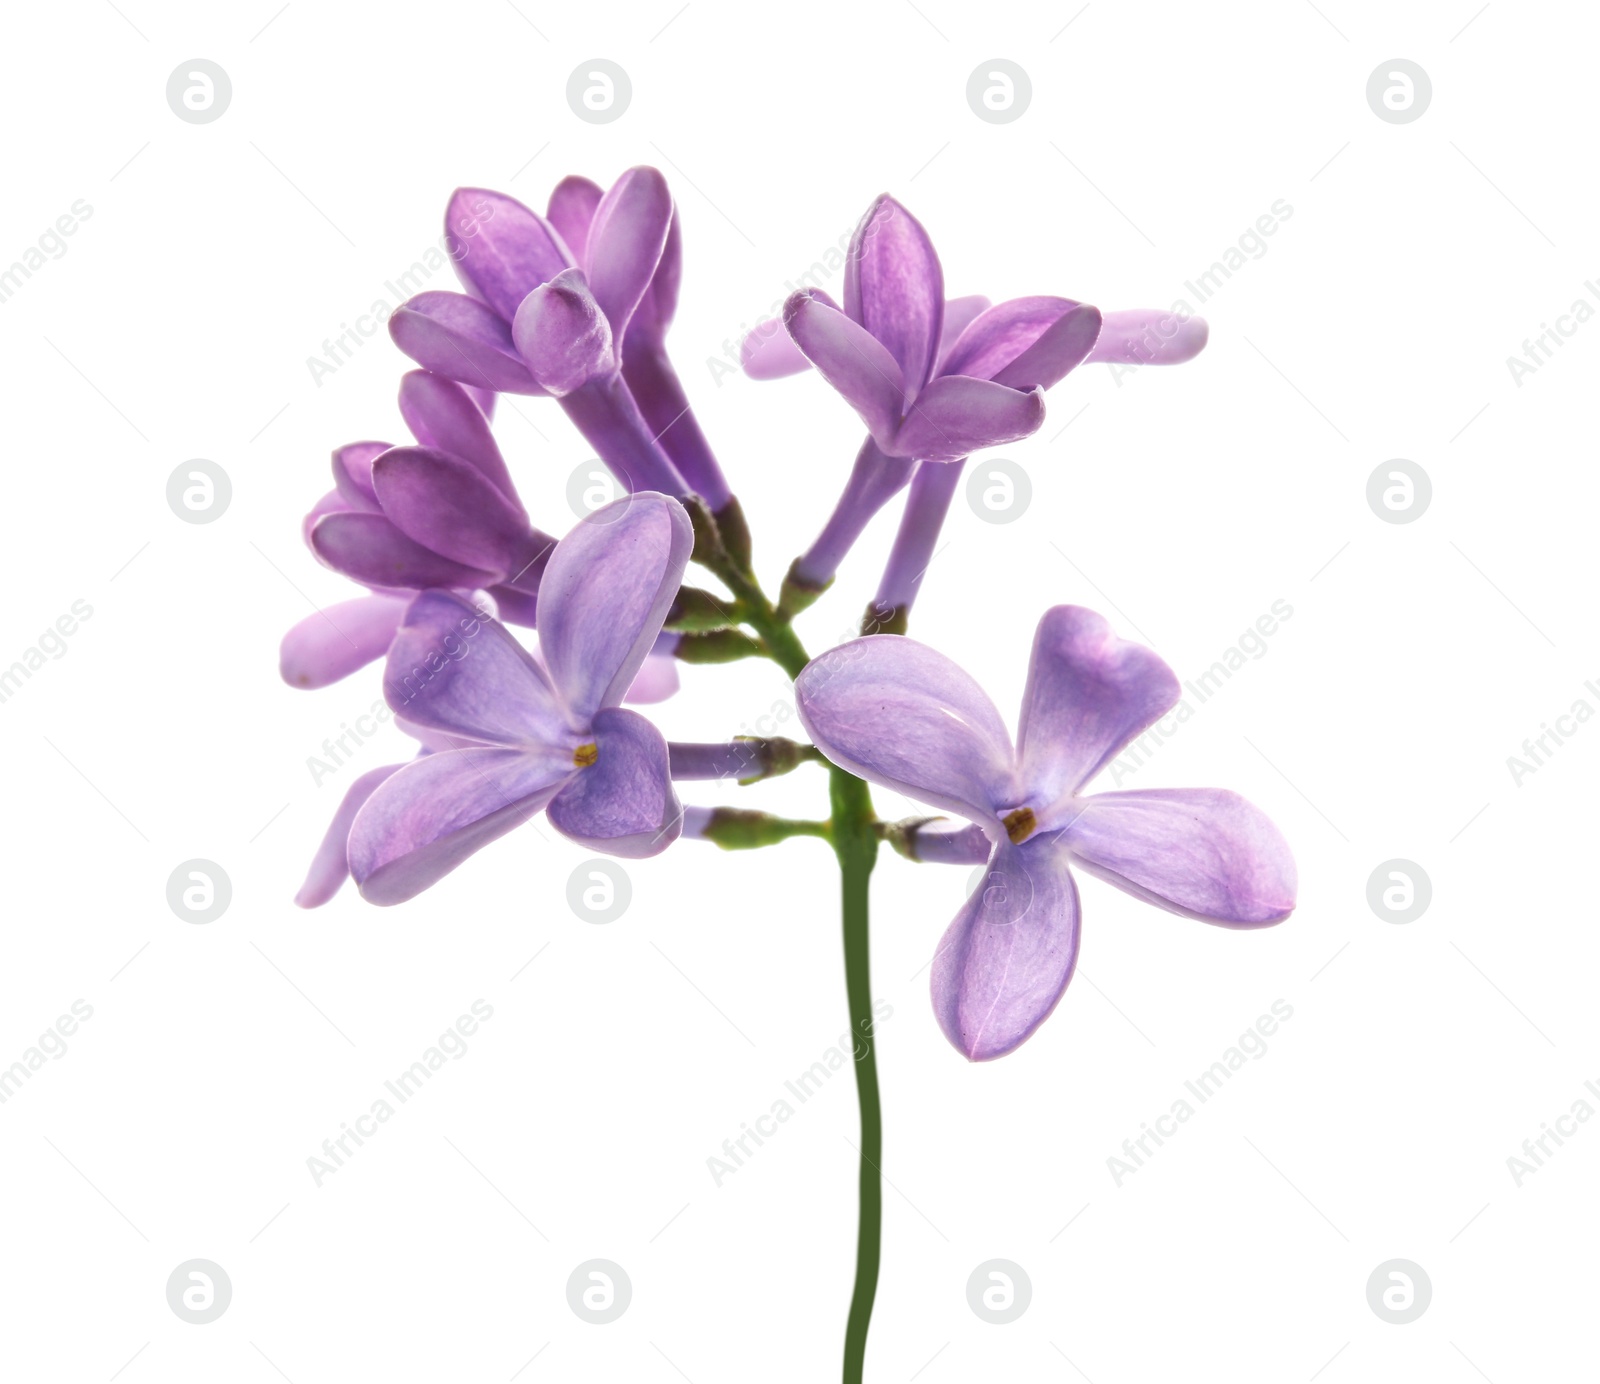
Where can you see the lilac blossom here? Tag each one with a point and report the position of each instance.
(896, 713)
(530, 735)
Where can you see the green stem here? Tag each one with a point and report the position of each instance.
(855, 842)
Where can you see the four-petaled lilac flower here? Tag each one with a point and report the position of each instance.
(924, 390)
(531, 735)
(897, 713)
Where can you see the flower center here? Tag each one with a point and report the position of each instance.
(585, 755)
(1019, 824)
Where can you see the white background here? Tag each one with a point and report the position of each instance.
(1181, 503)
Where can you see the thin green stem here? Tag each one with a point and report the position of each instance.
(855, 842)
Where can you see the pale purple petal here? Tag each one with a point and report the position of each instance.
(768, 352)
(330, 867)
(571, 210)
(563, 335)
(502, 250)
(462, 339)
(605, 593)
(958, 316)
(331, 503)
(956, 415)
(1088, 694)
(453, 670)
(449, 506)
(623, 803)
(660, 302)
(370, 549)
(894, 287)
(944, 842)
(626, 238)
(1203, 852)
(900, 714)
(339, 639)
(1148, 336)
(849, 358)
(440, 413)
(352, 473)
(436, 811)
(515, 607)
(1025, 343)
(1005, 961)
(656, 680)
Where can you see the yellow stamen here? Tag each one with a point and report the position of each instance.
(1019, 824)
(585, 755)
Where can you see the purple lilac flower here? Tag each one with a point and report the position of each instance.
(897, 713)
(527, 735)
(546, 319)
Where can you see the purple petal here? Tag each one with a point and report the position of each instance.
(453, 670)
(371, 550)
(956, 415)
(352, 473)
(1148, 336)
(440, 413)
(849, 358)
(503, 251)
(768, 352)
(660, 302)
(462, 339)
(603, 597)
(943, 842)
(330, 867)
(449, 506)
(958, 316)
(515, 607)
(1088, 694)
(897, 713)
(338, 640)
(626, 238)
(894, 287)
(331, 503)
(623, 803)
(571, 211)
(1026, 342)
(1005, 961)
(437, 810)
(656, 680)
(1203, 852)
(563, 335)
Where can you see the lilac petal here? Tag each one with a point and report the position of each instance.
(449, 506)
(656, 680)
(352, 473)
(503, 251)
(571, 211)
(1005, 961)
(330, 867)
(338, 640)
(331, 503)
(894, 287)
(603, 598)
(1148, 336)
(660, 302)
(943, 842)
(1025, 343)
(440, 413)
(956, 415)
(958, 316)
(623, 803)
(437, 810)
(371, 550)
(483, 398)
(900, 714)
(453, 670)
(515, 607)
(1088, 694)
(626, 238)
(768, 352)
(849, 358)
(1205, 853)
(462, 339)
(563, 335)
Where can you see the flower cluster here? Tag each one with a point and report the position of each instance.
(575, 305)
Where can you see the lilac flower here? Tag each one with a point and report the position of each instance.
(899, 714)
(545, 320)
(530, 735)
